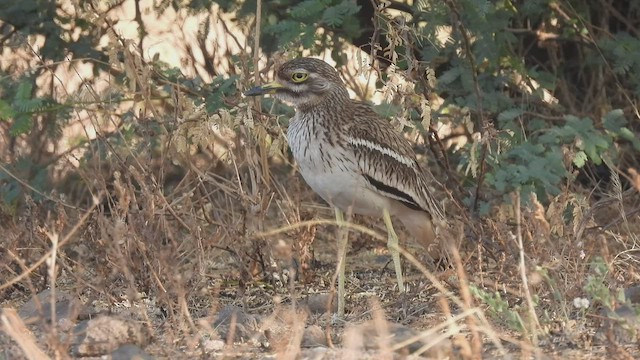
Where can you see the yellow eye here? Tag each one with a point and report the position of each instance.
(299, 77)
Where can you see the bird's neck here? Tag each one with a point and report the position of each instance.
(333, 102)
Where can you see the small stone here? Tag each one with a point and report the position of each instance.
(319, 353)
(226, 315)
(284, 328)
(382, 260)
(246, 325)
(211, 345)
(130, 352)
(632, 294)
(79, 252)
(67, 308)
(313, 336)
(623, 324)
(317, 303)
(104, 334)
(371, 336)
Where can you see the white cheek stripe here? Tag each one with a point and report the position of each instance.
(384, 150)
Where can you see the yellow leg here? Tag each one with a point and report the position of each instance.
(343, 237)
(392, 244)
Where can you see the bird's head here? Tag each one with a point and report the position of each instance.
(304, 83)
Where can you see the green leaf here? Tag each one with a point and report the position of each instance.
(626, 134)
(6, 111)
(580, 159)
(220, 88)
(11, 194)
(307, 10)
(24, 90)
(510, 114)
(386, 110)
(335, 16)
(21, 125)
(287, 31)
(450, 76)
(614, 120)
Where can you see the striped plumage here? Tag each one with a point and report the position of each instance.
(348, 154)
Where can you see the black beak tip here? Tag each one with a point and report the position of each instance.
(255, 91)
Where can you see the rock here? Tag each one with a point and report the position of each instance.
(245, 326)
(16, 340)
(316, 304)
(372, 336)
(621, 325)
(67, 309)
(130, 352)
(211, 345)
(105, 334)
(284, 329)
(314, 336)
(632, 294)
(319, 353)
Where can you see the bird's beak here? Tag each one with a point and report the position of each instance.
(269, 88)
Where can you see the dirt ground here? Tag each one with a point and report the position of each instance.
(215, 307)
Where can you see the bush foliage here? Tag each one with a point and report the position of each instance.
(547, 87)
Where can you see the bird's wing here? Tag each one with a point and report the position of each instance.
(388, 162)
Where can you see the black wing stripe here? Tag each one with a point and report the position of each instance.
(395, 193)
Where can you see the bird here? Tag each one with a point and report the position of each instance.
(353, 158)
